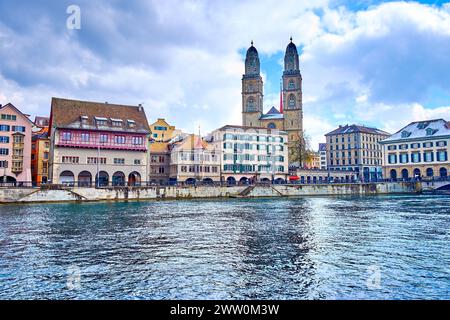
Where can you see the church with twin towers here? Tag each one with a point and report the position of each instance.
(289, 116)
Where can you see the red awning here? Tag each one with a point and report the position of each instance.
(294, 178)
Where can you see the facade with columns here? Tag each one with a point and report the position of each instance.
(289, 117)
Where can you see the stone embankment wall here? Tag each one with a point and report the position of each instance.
(18, 195)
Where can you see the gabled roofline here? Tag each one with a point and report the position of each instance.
(18, 111)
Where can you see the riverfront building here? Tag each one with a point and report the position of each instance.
(15, 145)
(318, 176)
(418, 150)
(159, 162)
(290, 116)
(97, 142)
(356, 149)
(323, 156)
(40, 150)
(193, 160)
(251, 154)
(162, 131)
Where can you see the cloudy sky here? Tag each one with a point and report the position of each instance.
(376, 63)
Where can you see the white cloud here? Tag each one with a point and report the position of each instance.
(181, 59)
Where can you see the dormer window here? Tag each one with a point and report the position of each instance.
(131, 123)
(406, 134)
(84, 119)
(430, 132)
(422, 125)
(116, 122)
(101, 121)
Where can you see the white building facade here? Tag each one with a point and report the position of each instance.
(418, 151)
(251, 154)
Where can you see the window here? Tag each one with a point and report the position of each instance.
(119, 139)
(4, 127)
(415, 157)
(18, 139)
(428, 156)
(404, 158)
(137, 161)
(70, 159)
(4, 151)
(415, 145)
(160, 128)
(45, 155)
(392, 158)
(442, 155)
(93, 160)
(403, 146)
(291, 84)
(11, 117)
(291, 101)
(137, 140)
(101, 121)
(406, 134)
(4, 139)
(66, 136)
(119, 161)
(250, 104)
(392, 148)
(116, 123)
(85, 137)
(103, 138)
(441, 144)
(18, 129)
(4, 164)
(430, 132)
(427, 144)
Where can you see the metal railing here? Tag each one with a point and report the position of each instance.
(146, 184)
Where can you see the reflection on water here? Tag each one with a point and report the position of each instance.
(303, 248)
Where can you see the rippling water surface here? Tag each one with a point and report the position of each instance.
(385, 247)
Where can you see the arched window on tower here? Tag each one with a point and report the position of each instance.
(291, 85)
(250, 104)
(291, 101)
(271, 126)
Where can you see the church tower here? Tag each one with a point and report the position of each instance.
(252, 89)
(292, 94)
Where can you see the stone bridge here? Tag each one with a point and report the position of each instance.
(436, 185)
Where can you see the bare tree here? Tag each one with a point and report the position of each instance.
(300, 150)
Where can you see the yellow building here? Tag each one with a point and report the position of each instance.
(162, 131)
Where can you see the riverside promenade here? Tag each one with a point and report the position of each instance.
(85, 194)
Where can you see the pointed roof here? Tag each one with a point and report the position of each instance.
(10, 105)
(198, 143)
(273, 110)
(67, 113)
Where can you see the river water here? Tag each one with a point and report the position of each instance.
(378, 247)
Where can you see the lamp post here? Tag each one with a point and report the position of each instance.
(98, 166)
